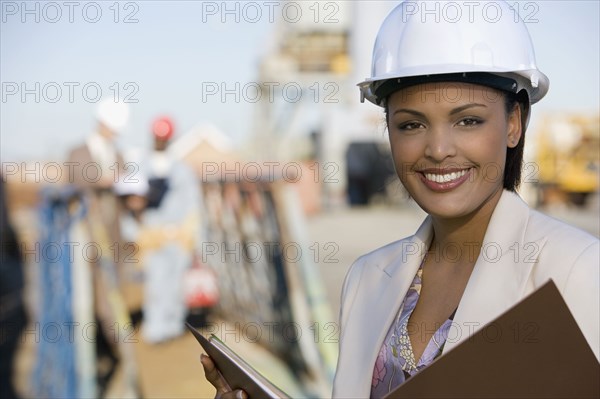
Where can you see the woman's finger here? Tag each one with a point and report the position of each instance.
(213, 376)
(237, 394)
(218, 381)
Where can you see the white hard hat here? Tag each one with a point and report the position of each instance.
(113, 114)
(478, 42)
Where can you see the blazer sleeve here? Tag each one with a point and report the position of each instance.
(582, 294)
(349, 289)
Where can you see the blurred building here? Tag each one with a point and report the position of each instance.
(310, 106)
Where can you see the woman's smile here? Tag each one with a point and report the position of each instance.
(444, 180)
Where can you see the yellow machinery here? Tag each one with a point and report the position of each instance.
(568, 157)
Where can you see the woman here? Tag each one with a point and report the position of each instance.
(457, 97)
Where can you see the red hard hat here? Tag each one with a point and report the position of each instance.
(162, 128)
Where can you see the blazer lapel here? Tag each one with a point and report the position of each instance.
(380, 297)
(499, 278)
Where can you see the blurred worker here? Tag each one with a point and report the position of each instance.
(134, 200)
(167, 237)
(96, 166)
(132, 192)
(12, 309)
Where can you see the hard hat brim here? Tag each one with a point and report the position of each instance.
(534, 82)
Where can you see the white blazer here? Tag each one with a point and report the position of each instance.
(522, 249)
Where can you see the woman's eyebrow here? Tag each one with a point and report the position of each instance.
(452, 112)
(466, 106)
(409, 111)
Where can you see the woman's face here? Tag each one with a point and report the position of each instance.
(449, 143)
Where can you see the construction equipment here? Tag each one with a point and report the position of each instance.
(568, 158)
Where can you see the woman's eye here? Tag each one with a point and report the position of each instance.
(410, 126)
(470, 122)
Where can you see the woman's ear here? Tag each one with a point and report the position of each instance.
(515, 127)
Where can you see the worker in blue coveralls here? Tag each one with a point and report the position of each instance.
(167, 237)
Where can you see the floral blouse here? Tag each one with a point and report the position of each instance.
(396, 362)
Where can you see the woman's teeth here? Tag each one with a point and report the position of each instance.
(445, 178)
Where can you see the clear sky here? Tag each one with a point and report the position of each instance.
(169, 50)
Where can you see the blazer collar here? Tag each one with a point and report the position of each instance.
(382, 295)
(500, 275)
(402, 272)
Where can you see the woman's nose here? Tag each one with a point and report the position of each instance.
(440, 144)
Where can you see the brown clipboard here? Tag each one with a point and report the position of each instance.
(238, 373)
(537, 351)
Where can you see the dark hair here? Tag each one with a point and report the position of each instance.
(514, 156)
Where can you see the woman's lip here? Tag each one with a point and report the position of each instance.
(444, 185)
(442, 171)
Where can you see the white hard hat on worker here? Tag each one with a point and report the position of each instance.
(475, 42)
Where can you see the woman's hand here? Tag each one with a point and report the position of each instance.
(216, 379)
